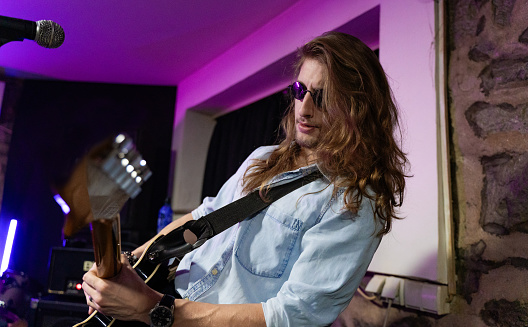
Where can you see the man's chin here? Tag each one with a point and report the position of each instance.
(306, 143)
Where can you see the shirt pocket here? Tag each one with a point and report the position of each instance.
(266, 243)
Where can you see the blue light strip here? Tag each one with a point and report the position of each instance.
(8, 246)
(64, 206)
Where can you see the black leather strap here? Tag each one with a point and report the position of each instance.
(245, 207)
(167, 301)
(173, 244)
(162, 315)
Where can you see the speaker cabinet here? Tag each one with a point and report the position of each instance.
(56, 313)
(66, 269)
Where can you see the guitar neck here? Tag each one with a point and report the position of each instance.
(107, 246)
(107, 197)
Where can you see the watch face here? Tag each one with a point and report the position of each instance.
(161, 317)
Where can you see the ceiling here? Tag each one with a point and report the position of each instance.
(156, 42)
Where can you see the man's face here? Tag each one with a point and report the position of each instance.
(308, 117)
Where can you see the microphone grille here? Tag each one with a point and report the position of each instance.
(49, 34)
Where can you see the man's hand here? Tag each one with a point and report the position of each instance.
(123, 297)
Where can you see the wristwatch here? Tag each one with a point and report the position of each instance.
(162, 314)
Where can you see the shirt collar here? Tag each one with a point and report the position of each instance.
(295, 174)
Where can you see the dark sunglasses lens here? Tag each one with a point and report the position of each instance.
(318, 98)
(298, 91)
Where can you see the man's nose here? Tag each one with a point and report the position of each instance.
(307, 105)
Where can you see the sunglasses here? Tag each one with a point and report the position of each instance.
(299, 90)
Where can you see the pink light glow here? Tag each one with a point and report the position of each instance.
(266, 46)
(137, 43)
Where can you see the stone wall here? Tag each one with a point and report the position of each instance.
(488, 83)
(488, 109)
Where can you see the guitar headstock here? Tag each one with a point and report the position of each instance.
(122, 163)
(111, 173)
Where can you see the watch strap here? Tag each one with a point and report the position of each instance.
(167, 301)
(165, 304)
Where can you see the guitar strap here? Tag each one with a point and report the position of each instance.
(173, 245)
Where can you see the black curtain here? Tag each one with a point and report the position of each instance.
(55, 124)
(237, 134)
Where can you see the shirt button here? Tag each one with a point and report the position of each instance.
(214, 271)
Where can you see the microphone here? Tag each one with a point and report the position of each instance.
(46, 33)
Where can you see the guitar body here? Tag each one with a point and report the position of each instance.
(155, 276)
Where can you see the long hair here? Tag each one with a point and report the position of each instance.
(356, 149)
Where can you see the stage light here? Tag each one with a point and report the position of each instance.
(64, 206)
(8, 246)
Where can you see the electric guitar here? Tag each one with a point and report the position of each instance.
(101, 183)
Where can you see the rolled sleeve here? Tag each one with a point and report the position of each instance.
(335, 255)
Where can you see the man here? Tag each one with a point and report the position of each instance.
(298, 262)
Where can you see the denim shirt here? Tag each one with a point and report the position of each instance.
(303, 257)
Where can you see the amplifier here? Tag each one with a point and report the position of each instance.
(66, 269)
(56, 313)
